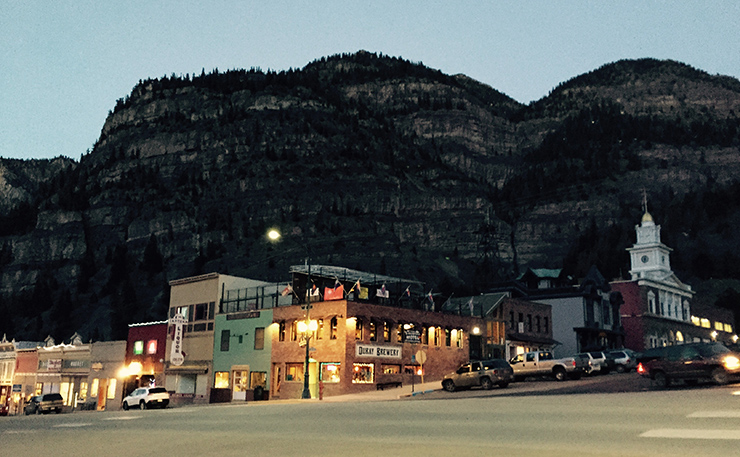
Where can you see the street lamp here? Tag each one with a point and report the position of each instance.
(307, 327)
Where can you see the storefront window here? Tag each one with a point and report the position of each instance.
(258, 379)
(391, 369)
(294, 372)
(93, 389)
(386, 331)
(83, 391)
(221, 380)
(330, 372)
(363, 373)
(448, 337)
(111, 388)
(138, 347)
(151, 347)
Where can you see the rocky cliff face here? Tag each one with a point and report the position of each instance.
(361, 160)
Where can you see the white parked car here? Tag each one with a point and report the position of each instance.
(147, 397)
(597, 363)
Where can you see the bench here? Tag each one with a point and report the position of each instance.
(384, 385)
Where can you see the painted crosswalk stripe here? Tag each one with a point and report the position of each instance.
(692, 434)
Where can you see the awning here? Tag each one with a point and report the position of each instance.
(195, 368)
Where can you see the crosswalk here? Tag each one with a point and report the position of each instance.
(700, 433)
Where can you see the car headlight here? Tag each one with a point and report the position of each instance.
(731, 362)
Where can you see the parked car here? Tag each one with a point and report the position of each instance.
(542, 363)
(691, 363)
(623, 360)
(42, 404)
(147, 397)
(485, 373)
(597, 362)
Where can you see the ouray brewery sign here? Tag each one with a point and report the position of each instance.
(389, 352)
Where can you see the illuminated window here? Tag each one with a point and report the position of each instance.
(94, 388)
(390, 369)
(728, 328)
(151, 347)
(138, 347)
(363, 373)
(320, 329)
(330, 372)
(448, 337)
(719, 326)
(705, 323)
(386, 331)
(294, 372)
(281, 332)
(111, 388)
(221, 380)
(371, 330)
(83, 391)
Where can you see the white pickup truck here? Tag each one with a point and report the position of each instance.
(542, 363)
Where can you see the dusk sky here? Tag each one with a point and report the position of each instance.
(63, 64)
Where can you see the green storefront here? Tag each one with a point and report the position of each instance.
(241, 355)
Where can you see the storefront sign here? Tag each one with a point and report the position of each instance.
(54, 365)
(388, 352)
(176, 356)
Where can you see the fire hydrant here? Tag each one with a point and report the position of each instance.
(321, 390)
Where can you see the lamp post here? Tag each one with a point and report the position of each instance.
(307, 327)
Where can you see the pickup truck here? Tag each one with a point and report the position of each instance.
(542, 363)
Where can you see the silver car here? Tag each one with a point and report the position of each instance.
(484, 373)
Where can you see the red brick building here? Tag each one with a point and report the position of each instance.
(363, 346)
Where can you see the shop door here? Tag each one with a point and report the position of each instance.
(313, 380)
(241, 385)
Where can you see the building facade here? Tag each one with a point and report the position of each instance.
(357, 347)
(197, 301)
(657, 307)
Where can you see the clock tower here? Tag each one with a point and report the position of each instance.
(649, 257)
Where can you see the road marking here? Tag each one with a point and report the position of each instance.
(692, 434)
(125, 418)
(705, 414)
(73, 425)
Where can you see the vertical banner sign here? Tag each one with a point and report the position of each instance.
(176, 356)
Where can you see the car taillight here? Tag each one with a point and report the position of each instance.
(495, 372)
(640, 368)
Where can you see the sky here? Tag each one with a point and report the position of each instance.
(64, 63)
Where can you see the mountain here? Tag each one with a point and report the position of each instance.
(374, 163)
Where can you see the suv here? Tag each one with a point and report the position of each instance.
(597, 363)
(147, 397)
(42, 404)
(485, 373)
(622, 360)
(690, 363)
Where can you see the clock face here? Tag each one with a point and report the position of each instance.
(644, 259)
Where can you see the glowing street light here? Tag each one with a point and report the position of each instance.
(307, 327)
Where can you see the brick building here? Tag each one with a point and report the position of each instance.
(362, 346)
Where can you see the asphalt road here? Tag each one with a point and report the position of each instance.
(696, 421)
